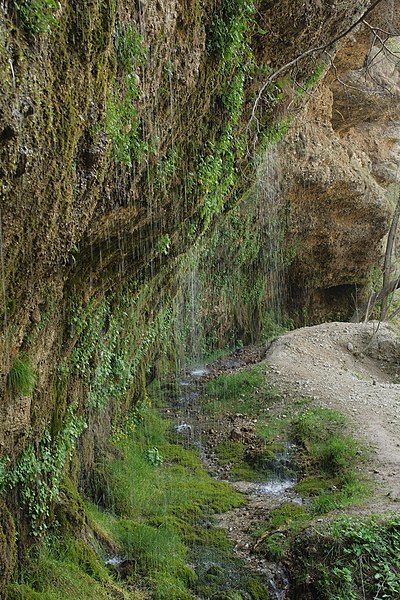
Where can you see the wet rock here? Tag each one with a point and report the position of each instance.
(183, 428)
(236, 434)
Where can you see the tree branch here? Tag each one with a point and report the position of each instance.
(293, 62)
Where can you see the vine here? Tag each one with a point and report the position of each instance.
(122, 121)
(112, 339)
(38, 472)
(38, 16)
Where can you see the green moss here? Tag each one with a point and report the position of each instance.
(283, 524)
(157, 508)
(69, 509)
(242, 465)
(65, 570)
(256, 589)
(230, 452)
(38, 16)
(179, 486)
(8, 548)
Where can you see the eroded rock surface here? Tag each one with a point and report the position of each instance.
(343, 158)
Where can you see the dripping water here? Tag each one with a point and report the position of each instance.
(271, 216)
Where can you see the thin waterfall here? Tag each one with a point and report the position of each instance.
(272, 218)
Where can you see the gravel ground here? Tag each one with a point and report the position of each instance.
(353, 368)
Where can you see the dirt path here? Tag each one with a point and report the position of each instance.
(352, 368)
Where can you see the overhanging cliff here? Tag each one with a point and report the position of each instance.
(128, 131)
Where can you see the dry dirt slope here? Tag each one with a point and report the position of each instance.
(353, 368)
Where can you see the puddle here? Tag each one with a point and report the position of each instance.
(275, 488)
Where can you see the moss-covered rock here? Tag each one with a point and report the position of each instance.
(8, 549)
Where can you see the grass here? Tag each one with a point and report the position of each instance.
(152, 515)
(246, 391)
(179, 486)
(156, 508)
(22, 377)
(332, 460)
(65, 569)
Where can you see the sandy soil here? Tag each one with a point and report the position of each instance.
(353, 368)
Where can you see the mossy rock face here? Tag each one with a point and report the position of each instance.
(69, 509)
(8, 551)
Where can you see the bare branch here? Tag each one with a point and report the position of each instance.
(387, 265)
(314, 50)
(360, 313)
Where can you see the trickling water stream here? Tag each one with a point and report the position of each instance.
(261, 497)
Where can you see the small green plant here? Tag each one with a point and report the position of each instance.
(128, 425)
(22, 377)
(38, 16)
(123, 124)
(309, 83)
(227, 35)
(165, 169)
(111, 343)
(352, 558)
(154, 456)
(129, 47)
(163, 244)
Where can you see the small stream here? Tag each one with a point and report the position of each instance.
(261, 497)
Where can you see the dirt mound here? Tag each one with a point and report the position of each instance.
(353, 368)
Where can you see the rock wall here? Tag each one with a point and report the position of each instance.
(342, 161)
(125, 131)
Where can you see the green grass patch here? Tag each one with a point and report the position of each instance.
(152, 514)
(60, 570)
(274, 429)
(179, 486)
(331, 458)
(22, 377)
(246, 392)
(156, 509)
